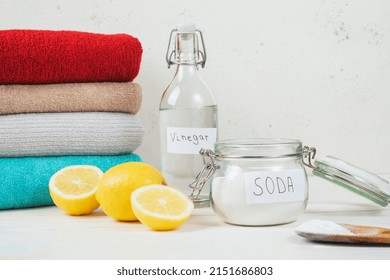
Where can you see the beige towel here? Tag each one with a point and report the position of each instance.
(72, 97)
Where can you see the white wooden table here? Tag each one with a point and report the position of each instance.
(47, 233)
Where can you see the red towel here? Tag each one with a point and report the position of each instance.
(44, 56)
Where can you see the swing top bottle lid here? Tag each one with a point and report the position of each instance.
(186, 27)
(186, 34)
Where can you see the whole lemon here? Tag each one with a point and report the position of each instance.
(117, 184)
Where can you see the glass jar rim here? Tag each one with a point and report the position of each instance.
(258, 148)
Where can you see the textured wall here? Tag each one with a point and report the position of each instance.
(314, 70)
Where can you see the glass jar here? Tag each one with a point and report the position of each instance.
(258, 181)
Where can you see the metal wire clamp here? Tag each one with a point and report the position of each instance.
(208, 170)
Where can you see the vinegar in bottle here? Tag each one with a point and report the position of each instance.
(188, 115)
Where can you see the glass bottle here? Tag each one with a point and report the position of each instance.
(188, 115)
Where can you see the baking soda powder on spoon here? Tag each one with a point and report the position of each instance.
(322, 227)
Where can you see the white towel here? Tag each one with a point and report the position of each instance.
(54, 134)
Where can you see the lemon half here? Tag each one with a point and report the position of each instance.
(73, 188)
(161, 207)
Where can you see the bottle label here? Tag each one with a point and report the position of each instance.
(275, 186)
(181, 140)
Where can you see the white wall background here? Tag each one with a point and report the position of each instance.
(315, 70)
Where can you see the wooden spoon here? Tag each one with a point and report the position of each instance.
(359, 234)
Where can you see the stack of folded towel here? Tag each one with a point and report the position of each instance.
(66, 98)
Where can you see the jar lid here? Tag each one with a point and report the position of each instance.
(350, 177)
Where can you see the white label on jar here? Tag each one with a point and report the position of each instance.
(275, 186)
(181, 140)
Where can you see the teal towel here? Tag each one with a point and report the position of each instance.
(24, 182)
